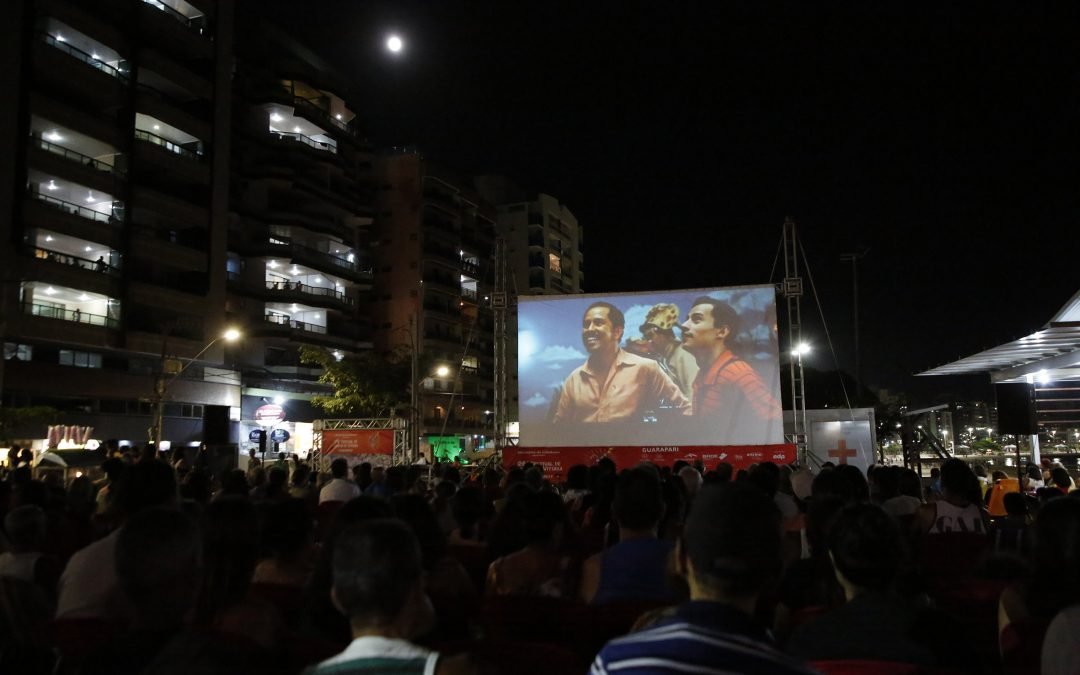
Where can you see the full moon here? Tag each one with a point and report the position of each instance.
(394, 44)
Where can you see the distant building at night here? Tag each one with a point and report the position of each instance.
(116, 190)
(433, 249)
(175, 170)
(545, 243)
(545, 249)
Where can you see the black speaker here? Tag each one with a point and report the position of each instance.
(216, 424)
(1016, 408)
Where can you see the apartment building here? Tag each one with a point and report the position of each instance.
(115, 188)
(545, 250)
(433, 246)
(301, 212)
(176, 169)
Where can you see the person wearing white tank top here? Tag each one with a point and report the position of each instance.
(959, 510)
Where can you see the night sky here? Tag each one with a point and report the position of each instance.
(681, 136)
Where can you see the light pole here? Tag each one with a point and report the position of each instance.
(161, 386)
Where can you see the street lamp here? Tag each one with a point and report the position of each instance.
(162, 384)
(442, 371)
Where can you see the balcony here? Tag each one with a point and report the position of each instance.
(471, 269)
(468, 295)
(82, 211)
(284, 320)
(290, 288)
(175, 148)
(91, 60)
(322, 146)
(196, 24)
(60, 258)
(76, 315)
(323, 116)
(76, 157)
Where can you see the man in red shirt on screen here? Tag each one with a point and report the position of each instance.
(732, 404)
(613, 385)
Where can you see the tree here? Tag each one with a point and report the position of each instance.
(15, 420)
(370, 384)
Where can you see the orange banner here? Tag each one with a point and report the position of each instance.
(358, 442)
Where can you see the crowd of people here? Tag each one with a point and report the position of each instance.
(164, 567)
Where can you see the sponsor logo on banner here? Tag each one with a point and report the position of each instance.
(557, 461)
(358, 442)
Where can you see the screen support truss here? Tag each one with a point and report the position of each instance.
(397, 424)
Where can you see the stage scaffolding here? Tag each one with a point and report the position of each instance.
(397, 424)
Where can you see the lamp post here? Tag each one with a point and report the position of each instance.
(161, 386)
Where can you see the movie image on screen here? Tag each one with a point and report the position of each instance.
(687, 367)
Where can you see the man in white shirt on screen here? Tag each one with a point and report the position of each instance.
(613, 385)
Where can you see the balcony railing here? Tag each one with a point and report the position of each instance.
(83, 56)
(468, 294)
(318, 145)
(298, 287)
(196, 24)
(284, 320)
(81, 211)
(323, 114)
(76, 315)
(75, 261)
(168, 145)
(85, 160)
(470, 268)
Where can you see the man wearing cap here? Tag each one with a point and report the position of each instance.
(732, 405)
(730, 551)
(613, 385)
(676, 362)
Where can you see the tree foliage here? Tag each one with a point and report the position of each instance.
(16, 420)
(370, 384)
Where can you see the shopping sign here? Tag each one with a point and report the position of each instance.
(270, 414)
(279, 435)
(358, 442)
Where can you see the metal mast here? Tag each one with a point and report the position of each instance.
(500, 302)
(793, 290)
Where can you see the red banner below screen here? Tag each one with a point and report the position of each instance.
(358, 442)
(557, 461)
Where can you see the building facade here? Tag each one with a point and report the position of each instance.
(301, 209)
(116, 196)
(545, 250)
(178, 168)
(433, 245)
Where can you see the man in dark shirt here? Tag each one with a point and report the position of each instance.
(875, 623)
(731, 549)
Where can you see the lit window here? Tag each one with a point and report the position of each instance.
(554, 263)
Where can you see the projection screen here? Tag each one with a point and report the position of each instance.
(688, 367)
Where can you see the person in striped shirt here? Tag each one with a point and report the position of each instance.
(730, 549)
(731, 402)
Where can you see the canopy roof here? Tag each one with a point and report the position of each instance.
(1053, 352)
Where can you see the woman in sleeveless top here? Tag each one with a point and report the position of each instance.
(960, 508)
